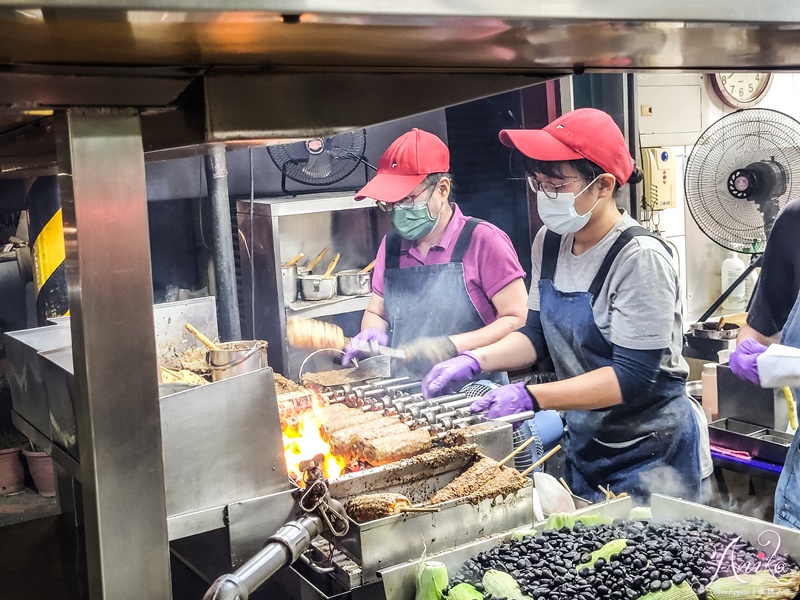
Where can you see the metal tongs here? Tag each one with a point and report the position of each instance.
(373, 349)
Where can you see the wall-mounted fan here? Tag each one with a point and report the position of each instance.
(742, 170)
(320, 162)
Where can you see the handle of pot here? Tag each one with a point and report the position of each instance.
(303, 364)
(236, 361)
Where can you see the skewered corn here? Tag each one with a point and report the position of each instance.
(369, 507)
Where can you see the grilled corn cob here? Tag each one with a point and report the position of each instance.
(375, 506)
(341, 422)
(469, 481)
(385, 450)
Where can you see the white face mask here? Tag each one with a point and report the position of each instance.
(559, 214)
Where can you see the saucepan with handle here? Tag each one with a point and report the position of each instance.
(320, 287)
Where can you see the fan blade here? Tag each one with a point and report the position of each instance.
(318, 166)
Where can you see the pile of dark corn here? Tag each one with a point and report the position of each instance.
(657, 556)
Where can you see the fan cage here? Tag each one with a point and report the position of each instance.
(732, 143)
(340, 156)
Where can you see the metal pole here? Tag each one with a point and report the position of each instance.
(224, 264)
(103, 193)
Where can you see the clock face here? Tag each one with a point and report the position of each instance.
(741, 90)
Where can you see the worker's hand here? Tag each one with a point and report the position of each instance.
(505, 400)
(743, 361)
(450, 375)
(422, 354)
(365, 337)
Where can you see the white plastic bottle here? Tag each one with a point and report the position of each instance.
(750, 285)
(732, 268)
(709, 384)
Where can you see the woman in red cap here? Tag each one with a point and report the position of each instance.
(605, 306)
(443, 282)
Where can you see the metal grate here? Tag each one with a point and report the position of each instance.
(758, 142)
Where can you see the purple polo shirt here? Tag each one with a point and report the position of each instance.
(490, 262)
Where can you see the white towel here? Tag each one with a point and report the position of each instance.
(779, 366)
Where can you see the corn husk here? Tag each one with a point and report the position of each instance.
(612, 547)
(502, 585)
(640, 513)
(464, 591)
(431, 580)
(756, 586)
(683, 591)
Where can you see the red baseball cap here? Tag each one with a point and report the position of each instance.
(405, 164)
(583, 133)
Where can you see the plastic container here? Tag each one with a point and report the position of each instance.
(750, 285)
(709, 386)
(732, 268)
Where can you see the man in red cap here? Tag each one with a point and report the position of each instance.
(443, 283)
(605, 306)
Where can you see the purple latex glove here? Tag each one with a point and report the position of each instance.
(505, 400)
(381, 338)
(743, 361)
(450, 375)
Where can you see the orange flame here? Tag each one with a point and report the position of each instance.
(302, 442)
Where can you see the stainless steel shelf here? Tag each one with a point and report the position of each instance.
(312, 309)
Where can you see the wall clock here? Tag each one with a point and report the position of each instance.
(741, 90)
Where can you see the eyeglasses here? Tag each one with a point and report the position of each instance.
(550, 190)
(406, 203)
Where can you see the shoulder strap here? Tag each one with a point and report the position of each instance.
(552, 245)
(464, 239)
(622, 241)
(393, 241)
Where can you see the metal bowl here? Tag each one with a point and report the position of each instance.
(708, 330)
(353, 283)
(318, 287)
(695, 389)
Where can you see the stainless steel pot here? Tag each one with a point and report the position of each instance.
(289, 276)
(353, 283)
(708, 330)
(318, 287)
(237, 358)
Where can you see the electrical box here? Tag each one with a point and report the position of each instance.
(658, 166)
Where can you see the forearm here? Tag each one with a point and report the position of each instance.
(487, 335)
(515, 351)
(374, 315)
(595, 389)
(747, 332)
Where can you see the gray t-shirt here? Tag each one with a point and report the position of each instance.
(639, 306)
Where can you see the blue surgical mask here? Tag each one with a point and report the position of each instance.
(414, 223)
(559, 214)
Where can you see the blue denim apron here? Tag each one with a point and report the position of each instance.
(649, 445)
(787, 494)
(430, 300)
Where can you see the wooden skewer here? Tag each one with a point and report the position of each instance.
(609, 494)
(539, 462)
(332, 266)
(205, 341)
(367, 269)
(315, 262)
(522, 447)
(720, 323)
(295, 260)
(566, 486)
(168, 371)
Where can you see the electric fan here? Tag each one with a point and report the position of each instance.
(321, 161)
(742, 170)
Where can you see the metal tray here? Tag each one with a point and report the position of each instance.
(399, 538)
(759, 442)
(398, 581)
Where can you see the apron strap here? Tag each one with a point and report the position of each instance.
(623, 239)
(464, 238)
(552, 246)
(392, 257)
